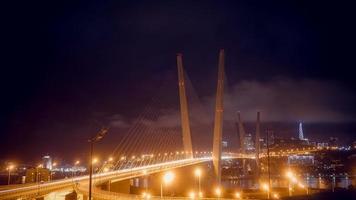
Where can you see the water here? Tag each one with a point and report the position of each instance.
(281, 182)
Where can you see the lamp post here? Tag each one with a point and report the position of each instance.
(76, 168)
(38, 173)
(51, 173)
(238, 195)
(197, 174)
(97, 138)
(9, 168)
(289, 175)
(218, 192)
(167, 178)
(266, 188)
(268, 166)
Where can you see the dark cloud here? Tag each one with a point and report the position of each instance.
(279, 100)
(291, 100)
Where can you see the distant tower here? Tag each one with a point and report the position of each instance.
(218, 121)
(187, 138)
(301, 135)
(47, 162)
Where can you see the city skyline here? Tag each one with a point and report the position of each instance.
(161, 100)
(78, 70)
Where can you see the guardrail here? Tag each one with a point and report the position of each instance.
(40, 189)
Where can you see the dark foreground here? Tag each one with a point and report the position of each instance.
(337, 195)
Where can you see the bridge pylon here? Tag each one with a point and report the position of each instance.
(187, 139)
(218, 121)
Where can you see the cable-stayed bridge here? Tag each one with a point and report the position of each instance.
(149, 147)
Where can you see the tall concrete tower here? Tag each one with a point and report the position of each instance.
(301, 135)
(187, 140)
(257, 143)
(218, 121)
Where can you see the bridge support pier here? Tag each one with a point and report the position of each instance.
(218, 121)
(71, 196)
(121, 186)
(187, 139)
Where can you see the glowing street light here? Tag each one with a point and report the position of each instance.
(168, 177)
(192, 195)
(238, 195)
(197, 174)
(77, 162)
(110, 159)
(9, 168)
(94, 160)
(146, 195)
(289, 174)
(99, 136)
(218, 192)
(291, 178)
(275, 196)
(265, 187)
(200, 195)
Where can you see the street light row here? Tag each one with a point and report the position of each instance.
(168, 177)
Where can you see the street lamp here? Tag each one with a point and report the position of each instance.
(76, 163)
(37, 172)
(167, 179)
(265, 187)
(197, 174)
(238, 195)
(192, 195)
(51, 173)
(9, 168)
(275, 196)
(146, 195)
(291, 179)
(97, 138)
(218, 192)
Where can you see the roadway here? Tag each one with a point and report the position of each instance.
(33, 190)
(80, 183)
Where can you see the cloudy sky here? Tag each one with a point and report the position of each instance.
(70, 67)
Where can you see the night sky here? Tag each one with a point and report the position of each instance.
(68, 68)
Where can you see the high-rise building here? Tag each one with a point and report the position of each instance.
(47, 162)
(248, 143)
(301, 135)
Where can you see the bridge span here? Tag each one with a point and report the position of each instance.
(80, 184)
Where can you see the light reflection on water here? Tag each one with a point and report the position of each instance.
(310, 181)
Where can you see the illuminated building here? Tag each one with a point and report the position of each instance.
(301, 160)
(301, 134)
(248, 143)
(47, 162)
(34, 175)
